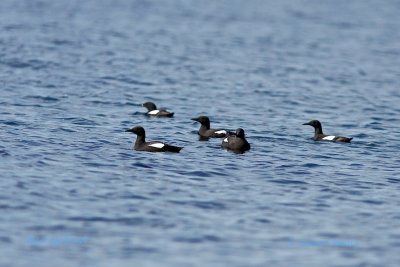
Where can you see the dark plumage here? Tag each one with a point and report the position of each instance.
(153, 111)
(206, 131)
(154, 146)
(236, 142)
(320, 136)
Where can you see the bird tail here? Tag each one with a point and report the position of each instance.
(174, 149)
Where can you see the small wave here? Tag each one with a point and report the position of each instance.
(100, 102)
(195, 173)
(12, 27)
(125, 220)
(393, 180)
(62, 42)
(263, 221)
(34, 64)
(5, 239)
(311, 165)
(201, 204)
(58, 227)
(63, 129)
(140, 249)
(134, 196)
(98, 164)
(127, 80)
(12, 123)
(81, 121)
(142, 165)
(4, 153)
(287, 181)
(42, 98)
(373, 202)
(201, 239)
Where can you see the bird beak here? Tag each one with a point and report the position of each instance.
(307, 123)
(194, 119)
(129, 130)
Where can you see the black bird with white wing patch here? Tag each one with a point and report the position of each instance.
(153, 111)
(320, 136)
(205, 130)
(153, 146)
(236, 142)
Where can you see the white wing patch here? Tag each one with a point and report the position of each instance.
(329, 137)
(154, 112)
(157, 145)
(221, 132)
(226, 140)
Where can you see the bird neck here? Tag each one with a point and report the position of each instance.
(140, 140)
(205, 127)
(318, 130)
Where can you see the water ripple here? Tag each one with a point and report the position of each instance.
(73, 75)
(201, 204)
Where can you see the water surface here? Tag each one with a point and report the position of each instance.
(74, 73)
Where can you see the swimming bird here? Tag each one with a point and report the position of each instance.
(153, 111)
(153, 146)
(206, 131)
(320, 136)
(236, 141)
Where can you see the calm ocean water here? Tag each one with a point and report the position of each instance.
(74, 73)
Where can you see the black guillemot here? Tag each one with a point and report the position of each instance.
(236, 142)
(153, 146)
(205, 130)
(153, 111)
(320, 136)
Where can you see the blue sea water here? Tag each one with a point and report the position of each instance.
(74, 73)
